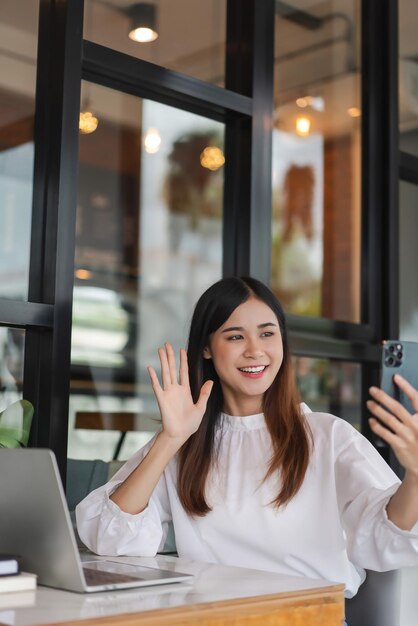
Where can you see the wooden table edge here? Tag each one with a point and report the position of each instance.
(219, 610)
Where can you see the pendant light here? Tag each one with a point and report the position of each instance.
(143, 26)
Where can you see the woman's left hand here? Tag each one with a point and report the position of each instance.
(395, 425)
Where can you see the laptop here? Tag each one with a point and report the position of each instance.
(35, 524)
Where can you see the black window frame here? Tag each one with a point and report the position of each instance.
(245, 106)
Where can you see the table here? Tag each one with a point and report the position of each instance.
(218, 595)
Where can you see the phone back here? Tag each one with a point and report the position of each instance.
(399, 357)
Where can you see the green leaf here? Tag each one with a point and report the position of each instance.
(15, 424)
(8, 441)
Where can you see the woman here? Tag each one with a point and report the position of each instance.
(246, 474)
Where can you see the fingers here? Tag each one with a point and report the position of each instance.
(390, 404)
(184, 369)
(154, 380)
(171, 362)
(168, 365)
(389, 420)
(165, 368)
(204, 395)
(410, 391)
(394, 424)
(383, 432)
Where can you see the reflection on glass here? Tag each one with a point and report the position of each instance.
(408, 261)
(149, 242)
(298, 223)
(18, 29)
(12, 346)
(330, 386)
(316, 159)
(408, 76)
(198, 51)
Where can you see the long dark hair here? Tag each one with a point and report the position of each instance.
(288, 429)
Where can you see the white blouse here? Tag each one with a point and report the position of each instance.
(335, 526)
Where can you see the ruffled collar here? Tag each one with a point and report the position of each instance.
(248, 422)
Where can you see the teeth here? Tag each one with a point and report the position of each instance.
(253, 370)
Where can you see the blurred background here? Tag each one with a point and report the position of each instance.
(149, 223)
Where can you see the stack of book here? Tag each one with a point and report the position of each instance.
(13, 582)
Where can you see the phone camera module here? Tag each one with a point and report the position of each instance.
(393, 354)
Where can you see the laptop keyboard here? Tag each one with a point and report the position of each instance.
(96, 577)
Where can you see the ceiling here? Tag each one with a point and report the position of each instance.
(322, 63)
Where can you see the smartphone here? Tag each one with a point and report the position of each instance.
(399, 357)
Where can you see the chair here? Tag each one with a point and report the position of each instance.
(84, 476)
(122, 421)
(377, 602)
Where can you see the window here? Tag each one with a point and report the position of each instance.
(408, 76)
(149, 239)
(18, 28)
(330, 386)
(198, 51)
(316, 159)
(12, 342)
(148, 243)
(408, 260)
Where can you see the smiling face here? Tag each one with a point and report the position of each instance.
(247, 352)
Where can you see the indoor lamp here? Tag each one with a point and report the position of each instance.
(143, 22)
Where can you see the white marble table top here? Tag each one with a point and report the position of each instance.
(211, 583)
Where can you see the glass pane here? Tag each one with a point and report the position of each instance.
(18, 29)
(408, 75)
(330, 386)
(149, 242)
(197, 51)
(316, 159)
(408, 261)
(12, 347)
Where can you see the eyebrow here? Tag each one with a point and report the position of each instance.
(265, 325)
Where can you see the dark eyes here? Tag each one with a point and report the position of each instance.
(266, 333)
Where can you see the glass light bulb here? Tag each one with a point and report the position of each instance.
(303, 126)
(212, 158)
(87, 122)
(354, 112)
(152, 141)
(143, 35)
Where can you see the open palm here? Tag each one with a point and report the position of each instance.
(181, 416)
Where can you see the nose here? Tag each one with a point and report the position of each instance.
(253, 350)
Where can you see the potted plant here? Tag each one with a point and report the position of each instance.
(15, 424)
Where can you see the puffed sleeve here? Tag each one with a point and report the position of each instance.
(107, 530)
(365, 484)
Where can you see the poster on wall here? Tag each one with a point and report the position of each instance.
(297, 245)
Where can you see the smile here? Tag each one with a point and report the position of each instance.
(256, 370)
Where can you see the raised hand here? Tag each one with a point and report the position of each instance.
(181, 417)
(403, 433)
